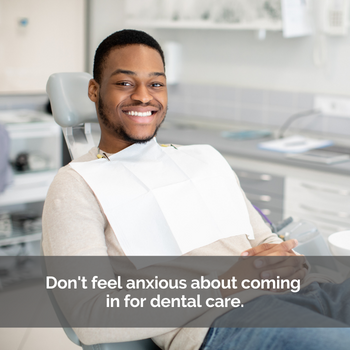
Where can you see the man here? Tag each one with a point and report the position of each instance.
(130, 94)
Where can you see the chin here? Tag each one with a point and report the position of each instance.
(138, 138)
(140, 134)
(141, 139)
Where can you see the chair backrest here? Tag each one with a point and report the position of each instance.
(73, 110)
(62, 319)
(145, 344)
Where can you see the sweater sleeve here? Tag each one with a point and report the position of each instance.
(73, 224)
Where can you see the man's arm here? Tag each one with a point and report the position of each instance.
(74, 225)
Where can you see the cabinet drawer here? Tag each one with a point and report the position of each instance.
(265, 200)
(261, 182)
(326, 215)
(326, 201)
(325, 204)
(324, 194)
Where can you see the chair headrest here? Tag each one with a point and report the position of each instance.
(68, 93)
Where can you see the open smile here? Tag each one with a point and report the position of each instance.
(140, 114)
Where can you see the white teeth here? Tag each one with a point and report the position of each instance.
(140, 114)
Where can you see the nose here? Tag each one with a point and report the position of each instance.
(142, 94)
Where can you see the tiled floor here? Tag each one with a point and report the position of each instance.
(32, 307)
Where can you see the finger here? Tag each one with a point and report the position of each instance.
(289, 245)
(282, 248)
(295, 281)
(258, 249)
(277, 279)
(280, 272)
(265, 261)
(296, 260)
(268, 248)
(274, 259)
(300, 275)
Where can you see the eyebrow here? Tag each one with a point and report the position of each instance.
(130, 72)
(157, 74)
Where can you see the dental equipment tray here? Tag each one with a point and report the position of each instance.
(327, 155)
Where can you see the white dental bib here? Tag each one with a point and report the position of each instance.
(164, 201)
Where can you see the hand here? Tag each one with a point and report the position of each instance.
(279, 260)
(290, 264)
(282, 249)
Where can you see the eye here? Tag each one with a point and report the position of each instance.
(123, 83)
(157, 85)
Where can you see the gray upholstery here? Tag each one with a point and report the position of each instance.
(68, 93)
(145, 344)
(73, 111)
(64, 323)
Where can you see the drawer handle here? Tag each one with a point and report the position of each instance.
(259, 177)
(339, 214)
(328, 190)
(255, 197)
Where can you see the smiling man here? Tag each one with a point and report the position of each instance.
(148, 200)
(129, 89)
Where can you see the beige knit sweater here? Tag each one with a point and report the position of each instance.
(74, 224)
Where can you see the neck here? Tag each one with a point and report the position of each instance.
(112, 145)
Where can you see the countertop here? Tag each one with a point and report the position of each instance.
(182, 132)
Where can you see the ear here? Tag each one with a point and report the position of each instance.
(93, 90)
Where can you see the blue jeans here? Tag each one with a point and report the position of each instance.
(326, 305)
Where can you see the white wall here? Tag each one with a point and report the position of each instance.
(238, 59)
(106, 17)
(53, 41)
(234, 58)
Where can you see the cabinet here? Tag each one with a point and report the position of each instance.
(265, 191)
(35, 134)
(319, 197)
(199, 14)
(324, 202)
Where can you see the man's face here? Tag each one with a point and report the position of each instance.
(132, 97)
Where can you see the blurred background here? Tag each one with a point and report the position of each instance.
(241, 73)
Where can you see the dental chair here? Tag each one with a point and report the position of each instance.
(74, 112)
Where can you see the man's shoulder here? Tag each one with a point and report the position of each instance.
(67, 177)
(91, 155)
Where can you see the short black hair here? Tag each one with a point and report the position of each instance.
(118, 40)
